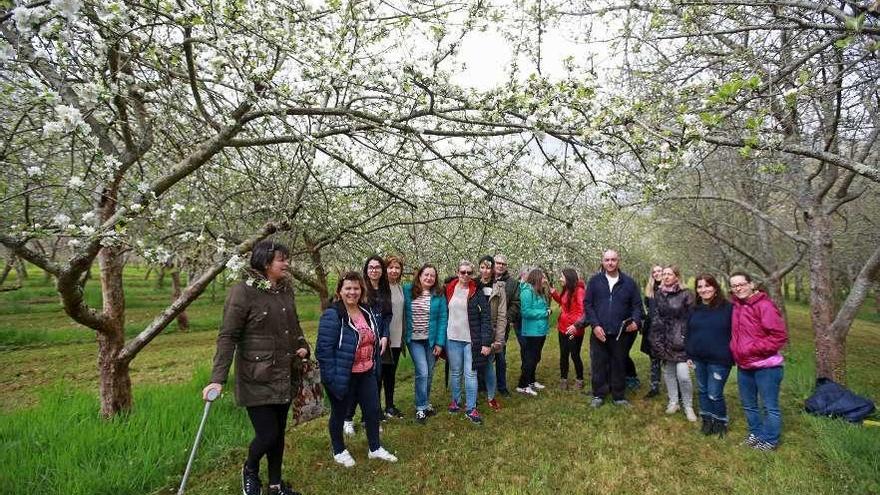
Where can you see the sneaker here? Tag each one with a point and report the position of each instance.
(282, 489)
(596, 402)
(563, 384)
(672, 408)
(579, 384)
(430, 410)
(421, 417)
(653, 392)
(393, 412)
(764, 446)
(689, 413)
(750, 441)
(537, 386)
(493, 403)
(527, 391)
(250, 482)
(382, 454)
(453, 407)
(622, 402)
(348, 428)
(474, 416)
(344, 458)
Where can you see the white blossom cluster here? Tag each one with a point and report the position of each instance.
(68, 120)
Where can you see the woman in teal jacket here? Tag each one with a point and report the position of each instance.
(424, 332)
(534, 311)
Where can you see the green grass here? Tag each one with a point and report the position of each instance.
(63, 446)
(52, 441)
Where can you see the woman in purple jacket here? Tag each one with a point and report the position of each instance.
(758, 334)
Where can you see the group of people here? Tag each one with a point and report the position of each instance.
(467, 319)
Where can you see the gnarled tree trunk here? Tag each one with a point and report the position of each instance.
(830, 348)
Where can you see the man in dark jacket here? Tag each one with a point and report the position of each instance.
(613, 308)
(511, 289)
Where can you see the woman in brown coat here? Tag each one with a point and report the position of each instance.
(261, 331)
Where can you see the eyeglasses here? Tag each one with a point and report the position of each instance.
(373, 267)
(465, 272)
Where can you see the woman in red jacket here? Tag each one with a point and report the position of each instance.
(758, 334)
(571, 300)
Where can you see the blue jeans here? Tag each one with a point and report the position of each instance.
(423, 361)
(491, 381)
(763, 383)
(711, 379)
(462, 362)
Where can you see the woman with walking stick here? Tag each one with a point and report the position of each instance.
(261, 331)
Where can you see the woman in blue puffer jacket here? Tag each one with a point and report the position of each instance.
(349, 345)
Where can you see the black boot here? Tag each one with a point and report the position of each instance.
(654, 392)
(720, 428)
(708, 425)
(250, 481)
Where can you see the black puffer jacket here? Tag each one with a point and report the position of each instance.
(669, 324)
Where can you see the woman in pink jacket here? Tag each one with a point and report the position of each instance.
(758, 334)
(571, 300)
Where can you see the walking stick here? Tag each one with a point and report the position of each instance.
(212, 396)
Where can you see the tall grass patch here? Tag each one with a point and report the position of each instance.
(63, 446)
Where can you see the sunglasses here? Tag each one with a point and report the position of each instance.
(465, 272)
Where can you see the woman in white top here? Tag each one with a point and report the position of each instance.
(394, 268)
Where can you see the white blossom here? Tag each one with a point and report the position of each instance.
(26, 18)
(76, 181)
(7, 53)
(87, 229)
(73, 243)
(88, 216)
(67, 8)
(136, 207)
(34, 171)
(143, 187)
(61, 220)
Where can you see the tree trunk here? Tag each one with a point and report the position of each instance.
(830, 348)
(113, 373)
(149, 271)
(799, 288)
(182, 318)
(786, 290)
(20, 269)
(115, 382)
(160, 277)
(877, 298)
(774, 290)
(6, 270)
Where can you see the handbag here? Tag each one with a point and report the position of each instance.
(308, 394)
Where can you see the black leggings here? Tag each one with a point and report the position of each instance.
(531, 353)
(388, 377)
(570, 347)
(361, 390)
(269, 423)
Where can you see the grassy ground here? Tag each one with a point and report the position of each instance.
(52, 438)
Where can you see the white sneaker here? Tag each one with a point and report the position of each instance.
(689, 412)
(527, 391)
(345, 458)
(348, 428)
(537, 386)
(382, 454)
(672, 408)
